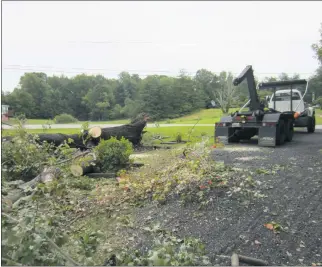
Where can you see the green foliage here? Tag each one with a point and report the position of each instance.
(167, 250)
(172, 175)
(178, 137)
(21, 117)
(83, 183)
(64, 118)
(317, 48)
(319, 102)
(113, 153)
(88, 97)
(23, 157)
(22, 244)
(88, 243)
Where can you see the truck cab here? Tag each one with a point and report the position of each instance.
(282, 101)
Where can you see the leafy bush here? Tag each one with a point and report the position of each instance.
(23, 158)
(22, 245)
(113, 153)
(64, 118)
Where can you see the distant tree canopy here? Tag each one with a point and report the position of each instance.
(88, 97)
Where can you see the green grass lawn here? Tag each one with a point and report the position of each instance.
(41, 122)
(205, 116)
(185, 131)
(318, 116)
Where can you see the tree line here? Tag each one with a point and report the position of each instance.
(89, 97)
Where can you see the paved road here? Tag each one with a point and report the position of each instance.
(77, 126)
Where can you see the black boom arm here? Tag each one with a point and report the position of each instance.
(248, 74)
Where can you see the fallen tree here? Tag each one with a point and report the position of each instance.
(80, 162)
(87, 139)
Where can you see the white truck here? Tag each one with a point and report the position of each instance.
(281, 101)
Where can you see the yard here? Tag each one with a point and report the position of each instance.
(205, 116)
(178, 210)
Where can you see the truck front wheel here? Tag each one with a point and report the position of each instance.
(289, 130)
(280, 133)
(311, 125)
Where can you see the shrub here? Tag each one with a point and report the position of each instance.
(64, 118)
(178, 137)
(23, 158)
(113, 153)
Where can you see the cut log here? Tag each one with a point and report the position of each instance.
(15, 196)
(132, 132)
(252, 261)
(76, 170)
(83, 165)
(95, 132)
(47, 175)
(234, 260)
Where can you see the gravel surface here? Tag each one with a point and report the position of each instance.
(292, 183)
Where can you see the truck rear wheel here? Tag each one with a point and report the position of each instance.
(311, 125)
(289, 130)
(280, 133)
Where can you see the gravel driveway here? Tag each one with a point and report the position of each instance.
(292, 183)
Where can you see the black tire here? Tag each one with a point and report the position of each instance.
(280, 133)
(311, 125)
(234, 138)
(289, 131)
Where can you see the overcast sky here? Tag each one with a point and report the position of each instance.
(158, 37)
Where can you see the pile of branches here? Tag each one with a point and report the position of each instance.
(79, 158)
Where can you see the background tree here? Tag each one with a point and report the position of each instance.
(318, 47)
(226, 94)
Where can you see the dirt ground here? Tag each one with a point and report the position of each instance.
(291, 179)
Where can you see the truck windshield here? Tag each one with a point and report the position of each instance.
(286, 96)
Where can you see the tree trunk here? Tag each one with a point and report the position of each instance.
(132, 132)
